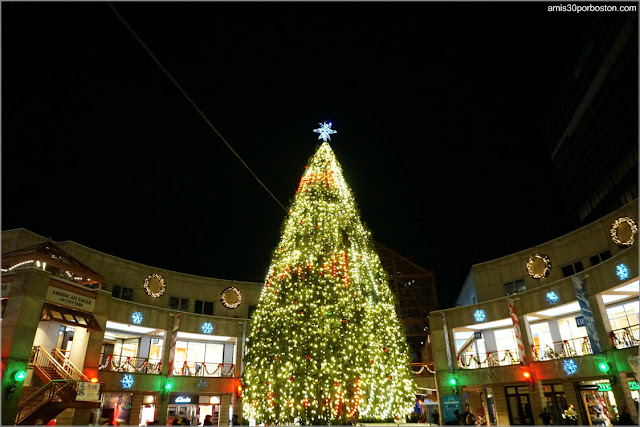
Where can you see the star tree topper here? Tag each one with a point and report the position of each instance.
(325, 130)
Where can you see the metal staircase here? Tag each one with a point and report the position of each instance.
(62, 379)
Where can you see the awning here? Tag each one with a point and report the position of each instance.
(69, 316)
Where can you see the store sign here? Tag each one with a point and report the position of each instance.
(580, 321)
(604, 387)
(524, 390)
(70, 299)
(633, 385)
(5, 288)
(88, 392)
(477, 335)
(182, 399)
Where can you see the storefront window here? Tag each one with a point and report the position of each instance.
(192, 352)
(505, 339)
(519, 405)
(599, 407)
(155, 348)
(126, 348)
(541, 338)
(570, 330)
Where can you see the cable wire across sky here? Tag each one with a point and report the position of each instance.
(198, 110)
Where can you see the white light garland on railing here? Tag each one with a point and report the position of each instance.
(17, 265)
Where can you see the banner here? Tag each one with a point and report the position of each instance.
(446, 341)
(450, 404)
(585, 310)
(88, 392)
(174, 339)
(516, 329)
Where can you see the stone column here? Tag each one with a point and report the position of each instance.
(136, 407)
(162, 404)
(19, 324)
(225, 401)
(500, 402)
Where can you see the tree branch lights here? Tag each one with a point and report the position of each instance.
(538, 266)
(325, 344)
(623, 231)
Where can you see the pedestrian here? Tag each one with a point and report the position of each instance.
(546, 417)
(207, 421)
(435, 416)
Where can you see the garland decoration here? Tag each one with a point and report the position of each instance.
(163, 286)
(223, 297)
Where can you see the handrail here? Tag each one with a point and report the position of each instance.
(50, 392)
(495, 358)
(201, 369)
(561, 349)
(75, 373)
(36, 360)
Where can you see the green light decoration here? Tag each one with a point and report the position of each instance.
(20, 376)
(315, 350)
(604, 367)
(167, 386)
(453, 382)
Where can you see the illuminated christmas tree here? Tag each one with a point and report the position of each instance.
(325, 344)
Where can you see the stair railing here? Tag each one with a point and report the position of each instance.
(40, 357)
(53, 391)
(72, 370)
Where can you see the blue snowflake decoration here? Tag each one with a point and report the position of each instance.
(136, 317)
(127, 381)
(479, 315)
(207, 328)
(622, 271)
(552, 297)
(325, 131)
(203, 384)
(570, 366)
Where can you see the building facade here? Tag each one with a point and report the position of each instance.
(157, 343)
(550, 329)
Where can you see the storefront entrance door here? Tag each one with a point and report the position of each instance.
(519, 406)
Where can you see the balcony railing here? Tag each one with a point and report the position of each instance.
(561, 349)
(202, 369)
(626, 337)
(487, 360)
(140, 365)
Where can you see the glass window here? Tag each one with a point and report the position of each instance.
(198, 309)
(605, 255)
(176, 303)
(594, 260)
(126, 294)
(208, 308)
(214, 353)
(116, 291)
(505, 339)
(623, 315)
(184, 304)
(578, 267)
(567, 270)
(569, 328)
(155, 348)
(510, 288)
(520, 286)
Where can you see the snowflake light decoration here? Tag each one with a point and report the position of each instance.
(325, 131)
(479, 315)
(136, 317)
(127, 381)
(207, 328)
(552, 297)
(622, 271)
(203, 384)
(570, 366)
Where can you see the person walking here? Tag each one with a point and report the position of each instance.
(546, 417)
(435, 416)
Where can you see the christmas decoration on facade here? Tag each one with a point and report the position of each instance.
(479, 315)
(325, 338)
(570, 366)
(207, 328)
(136, 317)
(538, 266)
(127, 381)
(622, 271)
(623, 231)
(231, 297)
(155, 293)
(552, 297)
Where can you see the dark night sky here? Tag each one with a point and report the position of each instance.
(439, 108)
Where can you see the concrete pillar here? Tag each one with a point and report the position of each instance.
(95, 338)
(490, 345)
(79, 346)
(19, 324)
(145, 343)
(536, 403)
(65, 418)
(572, 399)
(136, 407)
(628, 400)
(500, 402)
(225, 402)
(162, 402)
